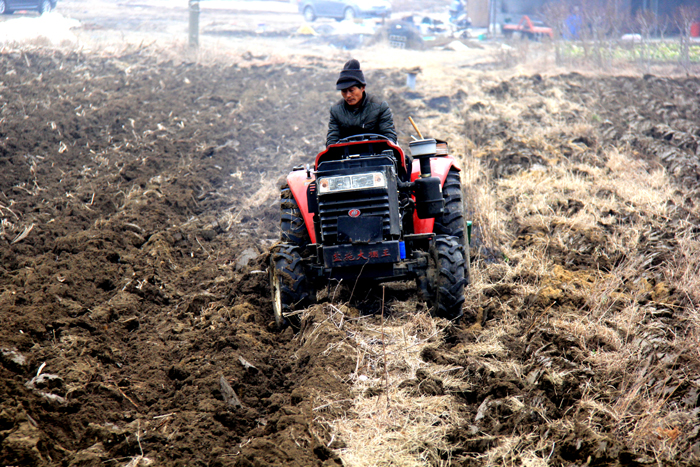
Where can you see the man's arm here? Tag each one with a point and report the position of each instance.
(386, 122)
(333, 130)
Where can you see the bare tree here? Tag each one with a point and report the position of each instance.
(645, 21)
(664, 23)
(603, 21)
(591, 17)
(684, 18)
(616, 19)
(556, 14)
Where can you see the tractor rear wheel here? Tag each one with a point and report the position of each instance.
(442, 284)
(290, 289)
(293, 226)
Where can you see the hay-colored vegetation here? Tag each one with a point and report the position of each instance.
(581, 241)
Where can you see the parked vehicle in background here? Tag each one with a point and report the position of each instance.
(344, 9)
(8, 7)
(528, 27)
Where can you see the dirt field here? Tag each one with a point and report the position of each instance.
(138, 199)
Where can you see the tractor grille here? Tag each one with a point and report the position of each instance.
(332, 206)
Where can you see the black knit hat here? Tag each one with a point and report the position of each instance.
(351, 75)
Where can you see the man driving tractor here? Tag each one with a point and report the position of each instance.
(367, 213)
(358, 112)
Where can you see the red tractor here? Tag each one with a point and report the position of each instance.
(367, 212)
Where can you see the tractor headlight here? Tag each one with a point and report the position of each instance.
(351, 182)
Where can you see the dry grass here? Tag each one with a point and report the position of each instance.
(408, 432)
(624, 201)
(622, 205)
(389, 425)
(612, 317)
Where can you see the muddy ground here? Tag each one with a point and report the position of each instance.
(138, 198)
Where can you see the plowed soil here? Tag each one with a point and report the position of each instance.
(138, 198)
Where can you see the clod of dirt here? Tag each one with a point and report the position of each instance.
(12, 359)
(424, 384)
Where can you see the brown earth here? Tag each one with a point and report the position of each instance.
(133, 175)
(138, 202)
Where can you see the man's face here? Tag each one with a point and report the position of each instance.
(352, 95)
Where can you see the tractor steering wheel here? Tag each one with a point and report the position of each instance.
(363, 137)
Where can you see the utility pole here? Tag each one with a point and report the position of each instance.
(194, 23)
(493, 12)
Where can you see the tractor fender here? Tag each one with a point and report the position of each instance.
(439, 167)
(299, 184)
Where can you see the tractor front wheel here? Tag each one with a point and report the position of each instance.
(291, 291)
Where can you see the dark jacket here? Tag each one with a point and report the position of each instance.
(372, 116)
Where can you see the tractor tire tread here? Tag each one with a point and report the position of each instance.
(451, 280)
(295, 292)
